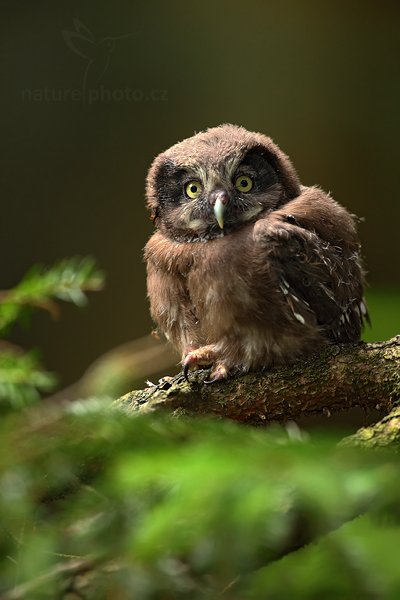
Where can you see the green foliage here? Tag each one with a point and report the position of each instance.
(21, 377)
(356, 561)
(383, 305)
(97, 504)
(67, 280)
(178, 509)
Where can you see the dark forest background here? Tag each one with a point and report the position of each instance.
(92, 91)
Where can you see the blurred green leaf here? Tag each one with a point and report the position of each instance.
(179, 509)
(21, 379)
(68, 280)
(384, 309)
(354, 562)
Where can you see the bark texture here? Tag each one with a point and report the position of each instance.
(342, 377)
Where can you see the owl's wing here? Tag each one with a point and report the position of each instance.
(321, 279)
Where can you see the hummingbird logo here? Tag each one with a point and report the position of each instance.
(97, 53)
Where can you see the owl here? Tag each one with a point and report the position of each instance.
(247, 268)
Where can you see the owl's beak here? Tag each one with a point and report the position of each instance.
(219, 210)
(219, 199)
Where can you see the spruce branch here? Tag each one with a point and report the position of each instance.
(67, 280)
(22, 379)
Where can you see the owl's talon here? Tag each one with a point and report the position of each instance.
(187, 363)
(200, 358)
(218, 374)
(186, 366)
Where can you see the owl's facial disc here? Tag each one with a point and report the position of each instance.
(205, 192)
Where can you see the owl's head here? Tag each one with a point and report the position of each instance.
(217, 181)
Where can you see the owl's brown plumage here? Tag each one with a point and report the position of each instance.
(247, 267)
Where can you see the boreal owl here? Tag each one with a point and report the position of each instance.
(247, 268)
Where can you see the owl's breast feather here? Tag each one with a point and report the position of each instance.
(224, 284)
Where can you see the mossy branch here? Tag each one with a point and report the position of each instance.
(342, 377)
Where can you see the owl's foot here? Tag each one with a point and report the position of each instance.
(219, 373)
(204, 357)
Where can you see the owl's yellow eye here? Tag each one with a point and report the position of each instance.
(193, 189)
(243, 183)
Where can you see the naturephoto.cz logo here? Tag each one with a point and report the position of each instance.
(96, 57)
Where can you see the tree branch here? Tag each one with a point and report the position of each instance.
(340, 378)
